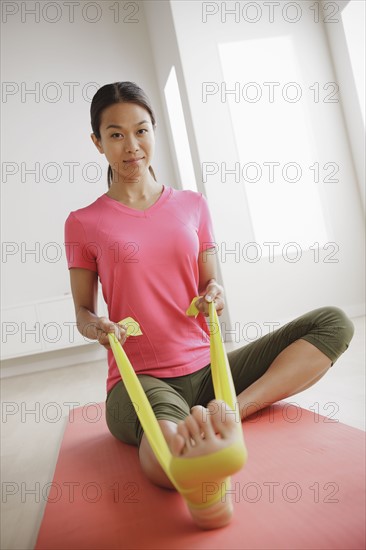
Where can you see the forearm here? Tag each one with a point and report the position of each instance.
(86, 323)
(207, 267)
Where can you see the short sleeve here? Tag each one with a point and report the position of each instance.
(79, 252)
(205, 229)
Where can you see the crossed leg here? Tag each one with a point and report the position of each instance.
(206, 431)
(294, 369)
(299, 366)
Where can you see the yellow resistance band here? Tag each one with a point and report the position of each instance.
(197, 479)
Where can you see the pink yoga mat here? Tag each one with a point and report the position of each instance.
(303, 487)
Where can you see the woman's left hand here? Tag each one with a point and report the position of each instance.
(213, 293)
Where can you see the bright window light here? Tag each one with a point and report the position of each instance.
(179, 132)
(278, 131)
(353, 17)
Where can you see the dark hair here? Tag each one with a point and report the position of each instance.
(118, 92)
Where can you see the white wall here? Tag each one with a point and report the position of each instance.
(36, 130)
(263, 291)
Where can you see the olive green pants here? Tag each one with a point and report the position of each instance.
(327, 328)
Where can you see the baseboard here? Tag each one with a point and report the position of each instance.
(53, 360)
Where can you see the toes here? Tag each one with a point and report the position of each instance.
(194, 429)
(201, 430)
(223, 418)
(183, 431)
(203, 419)
(177, 444)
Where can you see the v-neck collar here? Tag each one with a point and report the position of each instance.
(165, 194)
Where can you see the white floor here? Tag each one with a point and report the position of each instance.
(35, 409)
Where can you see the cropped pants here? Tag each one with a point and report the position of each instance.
(327, 328)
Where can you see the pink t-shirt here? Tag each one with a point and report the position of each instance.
(147, 265)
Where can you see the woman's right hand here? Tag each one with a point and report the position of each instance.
(105, 326)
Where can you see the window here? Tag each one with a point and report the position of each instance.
(179, 132)
(289, 208)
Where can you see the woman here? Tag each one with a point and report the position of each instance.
(147, 244)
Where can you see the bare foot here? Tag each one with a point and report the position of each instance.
(203, 433)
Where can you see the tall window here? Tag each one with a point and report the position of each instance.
(179, 132)
(272, 125)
